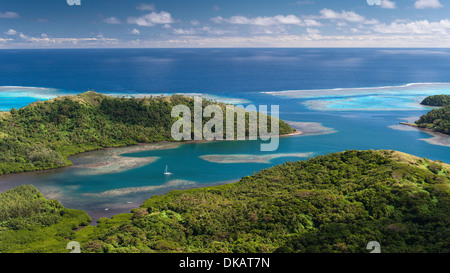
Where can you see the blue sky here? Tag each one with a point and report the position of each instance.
(224, 23)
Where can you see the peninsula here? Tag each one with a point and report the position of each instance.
(437, 120)
(44, 134)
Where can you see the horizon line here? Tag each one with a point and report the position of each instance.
(268, 47)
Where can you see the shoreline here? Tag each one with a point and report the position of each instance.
(295, 133)
(410, 124)
(426, 130)
(437, 138)
(175, 143)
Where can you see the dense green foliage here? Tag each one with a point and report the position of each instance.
(333, 203)
(437, 120)
(437, 100)
(31, 223)
(43, 134)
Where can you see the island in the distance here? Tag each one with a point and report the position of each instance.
(330, 203)
(44, 134)
(437, 100)
(437, 120)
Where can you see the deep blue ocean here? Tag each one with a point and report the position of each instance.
(353, 98)
(220, 71)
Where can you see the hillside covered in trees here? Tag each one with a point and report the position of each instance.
(331, 203)
(437, 120)
(31, 223)
(43, 134)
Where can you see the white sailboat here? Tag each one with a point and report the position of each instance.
(166, 172)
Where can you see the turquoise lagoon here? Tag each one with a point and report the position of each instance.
(340, 98)
(112, 181)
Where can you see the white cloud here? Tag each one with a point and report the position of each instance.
(306, 40)
(266, 20)
(112, 21)
(149, 7)
(152, 19)
(20, 40)
(46, 42)
(311, 38)
(423, 27)
(311, 23)
(313, 33)
(135, 31)
(23, 36)
(11, 32)
(343, 15)
(5, 41)
(215, 31)
(423, 4)
(352, 30)
(371, 22)
(201, 31)
(184, 31)
(86, 41)
(9, 15)
(349, 16)
(386, 4)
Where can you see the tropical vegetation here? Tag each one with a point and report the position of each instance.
(43, 134)
(437, 120)
(330, 203)
(437, 100)
(31, 223)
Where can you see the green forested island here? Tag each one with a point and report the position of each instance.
(436, 100)
(331, 203)
(43, 134)
(437, 120)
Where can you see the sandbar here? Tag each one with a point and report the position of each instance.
(124, 191)
(436, 139)
(112, 160)
(309, 128)
(245, 158)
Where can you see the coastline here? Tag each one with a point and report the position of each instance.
(438, 138)
(411, 124)
(111, 160)
(139, 147)
(295, 133)
(426, 130)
